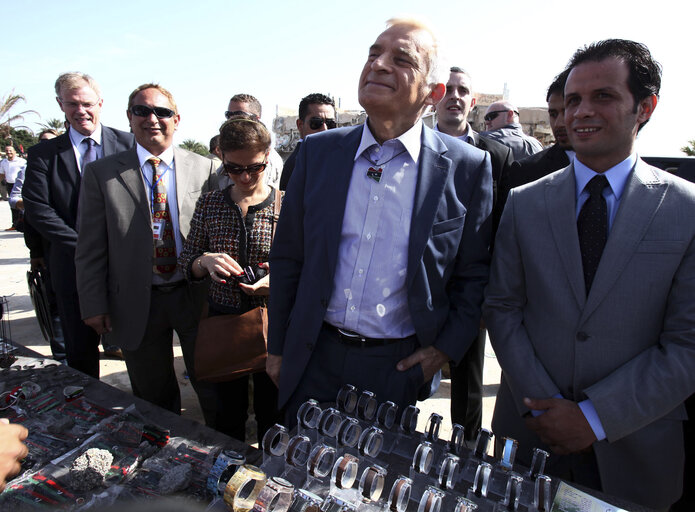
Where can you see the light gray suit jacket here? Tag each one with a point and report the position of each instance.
(629, 346)
(114, 246)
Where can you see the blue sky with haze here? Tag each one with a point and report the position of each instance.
(205, 51)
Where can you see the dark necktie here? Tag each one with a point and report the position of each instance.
(91, 154)
(592, 228)
(164, 244)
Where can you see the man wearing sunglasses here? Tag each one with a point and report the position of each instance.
(316, 114)
(135, 212)
(502, 123)
(247, 104)
(50, 192)
(381, 252)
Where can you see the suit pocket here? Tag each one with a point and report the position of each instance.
(440, 228)
(660, 246)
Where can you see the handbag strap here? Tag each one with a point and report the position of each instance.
(276, 213)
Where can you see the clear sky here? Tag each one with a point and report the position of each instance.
(206, 51)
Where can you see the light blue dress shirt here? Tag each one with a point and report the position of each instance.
(369, 294)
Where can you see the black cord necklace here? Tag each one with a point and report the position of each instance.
(375, 171)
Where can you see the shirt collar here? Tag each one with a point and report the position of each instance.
(143, 155)
(411, 141)
(616, 175)
(467, 135)
(76, 137)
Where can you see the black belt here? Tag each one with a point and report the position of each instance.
(354, 339)
(166, 288)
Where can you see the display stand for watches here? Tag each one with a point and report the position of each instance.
(512, 494)
(431, 500)
(421, 469)
(305, 501)
(535, 482)
(400, 494)
(318, 468)
(346, 400)
(274, 445)
(406, 441)
(386, 416)
(479, 454)
(479, 491)
(308, 416)
(457, 441)
(296, 460)
(343, 477)
(500, 479)
(542, 495)
(276, 496)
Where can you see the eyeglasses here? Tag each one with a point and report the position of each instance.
(145, 111)
(76, 104)
(492, 115)
(231, 113)
(317, 122)
(238, 170)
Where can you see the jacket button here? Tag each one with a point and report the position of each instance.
(582, 336)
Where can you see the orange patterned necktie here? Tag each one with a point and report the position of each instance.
(164, 245)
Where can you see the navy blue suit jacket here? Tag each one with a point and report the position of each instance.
(448, 256)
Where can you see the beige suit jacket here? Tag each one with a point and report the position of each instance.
(114, 245)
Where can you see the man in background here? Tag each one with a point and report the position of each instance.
(502, 124)
(316, 114)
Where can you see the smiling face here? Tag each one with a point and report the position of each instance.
(10, 152)
(600, 113)
(452, 111)
(153, 134)
(556, 115)
(82, 108)
(394, 84)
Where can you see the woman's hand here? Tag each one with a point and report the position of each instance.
(219, 265)
(260, 287)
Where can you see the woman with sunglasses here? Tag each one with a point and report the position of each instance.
(230, 232)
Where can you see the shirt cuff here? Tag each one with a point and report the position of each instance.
(591, 416)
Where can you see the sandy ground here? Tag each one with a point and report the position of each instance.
(24, 329)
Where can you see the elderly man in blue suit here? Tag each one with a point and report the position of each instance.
(381, 252)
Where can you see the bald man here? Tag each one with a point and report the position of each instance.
(502, 123)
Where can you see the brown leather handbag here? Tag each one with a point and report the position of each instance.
(231, 346)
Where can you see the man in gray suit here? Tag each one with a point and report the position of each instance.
(590, 301)
(135, 211)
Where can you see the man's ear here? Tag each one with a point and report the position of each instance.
(646, 107)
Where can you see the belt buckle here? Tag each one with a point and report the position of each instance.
(352, 336)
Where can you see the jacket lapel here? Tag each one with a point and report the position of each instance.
(132, 178)
(67, 157)
(337, 177)
(181, 165)
(561, 205)
(433, 172)
(642, 196)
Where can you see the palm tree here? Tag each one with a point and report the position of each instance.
(54, 124)
(7, 103)
(195, 147)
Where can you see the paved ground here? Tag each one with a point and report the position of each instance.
(14, 263)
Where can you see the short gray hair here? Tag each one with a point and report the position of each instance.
(74, 80)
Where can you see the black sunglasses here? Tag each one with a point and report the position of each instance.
(316, 122)
(492, 115)
(231, 113)
(145, 111)
(238, 170)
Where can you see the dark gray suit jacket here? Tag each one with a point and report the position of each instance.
(51, 191)
(447, 257)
